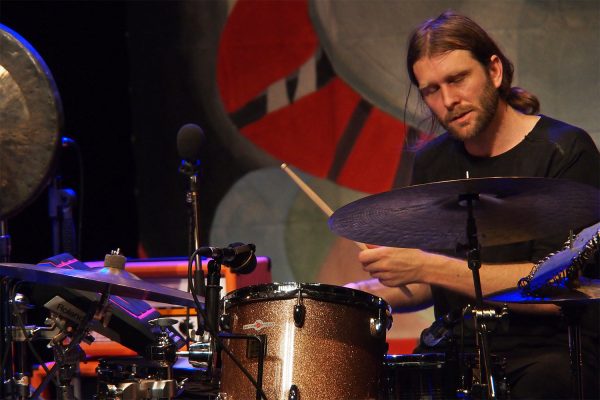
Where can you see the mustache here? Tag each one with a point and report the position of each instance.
(457, 112)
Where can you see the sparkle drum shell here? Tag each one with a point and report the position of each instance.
(334, 352)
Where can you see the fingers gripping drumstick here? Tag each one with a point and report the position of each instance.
(325, 208)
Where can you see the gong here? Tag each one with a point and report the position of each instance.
(31, 123)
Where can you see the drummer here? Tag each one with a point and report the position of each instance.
(492, 129)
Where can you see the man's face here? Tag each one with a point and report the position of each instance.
(459, 91)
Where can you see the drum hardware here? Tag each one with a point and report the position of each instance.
(225, 319)
(258, 351)
(294, 393)
(557, 280)
(200, 354)
(241, 257)
(484, 374)
(56, 330)
(383, 323)
(299, 311)
(148, 378)
(163, 350)
(483, 318)
(163, 353)
(67, 356)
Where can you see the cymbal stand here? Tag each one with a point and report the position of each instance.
(67, 357)
(572, 313)
(474, 264)
(163, 352)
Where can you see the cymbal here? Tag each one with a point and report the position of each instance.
(431, 216)
(119, 283)
(586, 290)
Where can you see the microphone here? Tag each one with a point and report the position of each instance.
(239, 257)
(190, 139)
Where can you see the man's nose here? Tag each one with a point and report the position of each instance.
(449, 97)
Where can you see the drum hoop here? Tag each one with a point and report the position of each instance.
(319, 291)
(415, 359)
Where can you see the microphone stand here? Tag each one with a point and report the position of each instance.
(191, 170)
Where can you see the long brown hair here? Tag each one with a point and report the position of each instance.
(452, 31)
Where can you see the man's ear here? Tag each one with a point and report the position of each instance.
(495, 70)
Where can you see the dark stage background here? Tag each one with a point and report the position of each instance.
(116, 69)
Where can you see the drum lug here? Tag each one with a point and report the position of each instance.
(299, 315)
(225, 322)
(299, 311)
(377, 327)
(294, 393)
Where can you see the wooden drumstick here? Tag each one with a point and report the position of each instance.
(308, 191)
(314, 197)
(326, 209)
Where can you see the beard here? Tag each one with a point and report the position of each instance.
(485, 111)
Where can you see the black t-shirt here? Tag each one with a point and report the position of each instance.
(552, 149)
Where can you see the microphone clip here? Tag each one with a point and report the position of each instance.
(239, 257)
(189, 168)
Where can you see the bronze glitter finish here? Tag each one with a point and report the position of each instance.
(335, 353)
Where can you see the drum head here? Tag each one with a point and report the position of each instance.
(31, 115)
(317, 291)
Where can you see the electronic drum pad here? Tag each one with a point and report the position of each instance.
(31, 123)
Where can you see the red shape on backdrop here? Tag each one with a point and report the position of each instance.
(306, 133)
(375, 157)
(263, 41)
(266, 41)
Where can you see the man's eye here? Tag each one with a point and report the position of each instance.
(428, 91)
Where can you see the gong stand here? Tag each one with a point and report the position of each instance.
(474, 264)
(5, 320)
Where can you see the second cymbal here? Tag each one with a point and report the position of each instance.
(431, 216)
(120, 283)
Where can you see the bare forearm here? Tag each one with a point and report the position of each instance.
(453, 274)
(411, 297)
